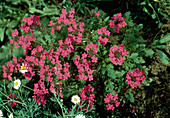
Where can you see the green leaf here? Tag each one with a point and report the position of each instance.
(165, 38)
(99, 67)
(119, 74)
(9, 33)
(127, 15)
(134, 55)
(106, 19)
(153, 16)
(163, 57)
(130, 97)
(161, 46)
(34, 10)
(149, 53)
(74, 56)
(146, 10)
(13, 23)
(10, 85)
(25, 81)
(2, 30)
(107, 59)
(110, 71)
(110, 87)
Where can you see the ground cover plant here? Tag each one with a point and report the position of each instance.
(76, 66)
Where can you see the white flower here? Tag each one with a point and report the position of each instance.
(24, 68)
(1, 114)
(75, 99)
(80, 116)
(17, 84)
(11, 116)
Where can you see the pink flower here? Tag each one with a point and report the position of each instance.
(134, 78)
(118, 22)
(110, 99)
(116, 54)
(51, 22)
(14, 33)
(86, 94)
(133, 110)
(97, 14)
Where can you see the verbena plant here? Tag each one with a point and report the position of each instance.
(74, 66)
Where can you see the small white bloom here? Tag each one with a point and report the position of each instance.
(17, 84)
(24, 68)
(75, 99)
(61, 100)
(80, 116)
(1, 114)
(11, 116)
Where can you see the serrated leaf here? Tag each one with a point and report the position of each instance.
(149, 53)
(165, 38)
(130, 97)
(163, 57)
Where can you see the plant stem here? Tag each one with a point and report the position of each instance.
(27, 87)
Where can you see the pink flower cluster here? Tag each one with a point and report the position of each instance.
(24, 41)
(83, 67)
(66, 47)
(75, 30)
(110, 99)
(87, 94)
(118, 22)
(97, 13)
(56, 88)
(40, 91)
(116, 54)
(134, 78)
(104, 32)
(30, 21)
(91, 49)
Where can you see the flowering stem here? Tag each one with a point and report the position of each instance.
(60, 105)
(12, 99)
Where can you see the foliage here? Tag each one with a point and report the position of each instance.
(13, 11)
(158, 46)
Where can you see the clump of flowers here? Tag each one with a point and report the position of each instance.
(87, 94)
(112, 101)
(116, 54)
(135, 78)
(118, 22)
(83, 67)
